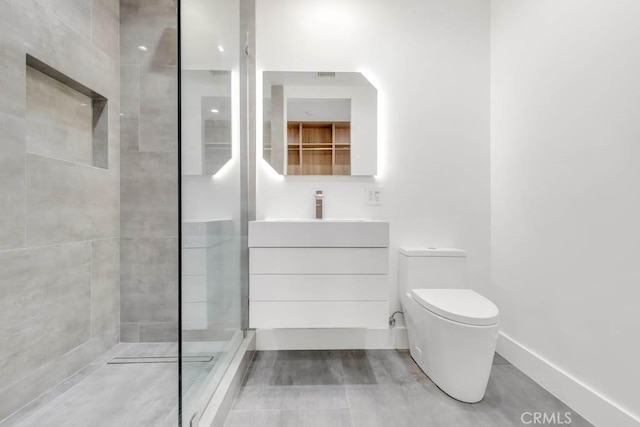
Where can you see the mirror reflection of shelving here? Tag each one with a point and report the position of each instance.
(317, 99)
(318, 148)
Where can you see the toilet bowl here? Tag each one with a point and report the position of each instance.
(452, 330)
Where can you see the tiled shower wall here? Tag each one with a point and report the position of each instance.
(59, 214)
(149, 217)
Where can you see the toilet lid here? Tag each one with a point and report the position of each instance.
(460, 305)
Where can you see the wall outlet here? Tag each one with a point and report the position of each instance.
(374, 196)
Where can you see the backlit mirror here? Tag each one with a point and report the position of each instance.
(206, 121)
(319, 123)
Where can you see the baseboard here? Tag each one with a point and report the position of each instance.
(331, 339)
(593, 406)
(217, 410)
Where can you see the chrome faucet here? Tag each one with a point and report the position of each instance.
(319, 207)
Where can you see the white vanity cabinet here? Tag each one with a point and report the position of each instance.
(318, 274)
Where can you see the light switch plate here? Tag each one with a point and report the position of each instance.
(374, 196)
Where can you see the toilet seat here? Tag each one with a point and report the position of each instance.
(459, 305)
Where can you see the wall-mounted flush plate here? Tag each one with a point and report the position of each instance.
(374, 196)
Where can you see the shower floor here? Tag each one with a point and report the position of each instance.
(132, 385)
(372, 388)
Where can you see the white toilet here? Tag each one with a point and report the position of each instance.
(452, 330)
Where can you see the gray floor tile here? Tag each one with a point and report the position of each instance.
(408, 405)
(264, 418)
(102, 395)
(295, 372)
(115, 395)
(499, 360)
(396, 393)
(291, 397)
(510, 393)
(288, 355)
(18, 418)
(280, 418)
(380, 367)
(295, 368)
(382, 388)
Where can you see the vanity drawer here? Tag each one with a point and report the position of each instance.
(318, 287)
(318, 314)
(319, 260)
(318, 234)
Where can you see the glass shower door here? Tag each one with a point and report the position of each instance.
(211, 198)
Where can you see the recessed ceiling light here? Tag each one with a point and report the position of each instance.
(214, 111)
(142, 48)
(220, 48)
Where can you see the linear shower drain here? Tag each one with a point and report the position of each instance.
(126, 360)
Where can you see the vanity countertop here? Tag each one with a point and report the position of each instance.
(335, 233)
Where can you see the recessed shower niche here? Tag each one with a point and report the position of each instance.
(65, 119)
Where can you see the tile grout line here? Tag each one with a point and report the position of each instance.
(353, 421)
(139, 69)
(346, 391)
(73, 29)
(26, 194)
(48, 404)
(75, 242)
(91, 27)
(91, 325)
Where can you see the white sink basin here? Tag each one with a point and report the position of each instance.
(310, 233)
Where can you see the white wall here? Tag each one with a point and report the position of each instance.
(320, 109)
(565, 197)
(207, 25)
(433, 116)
